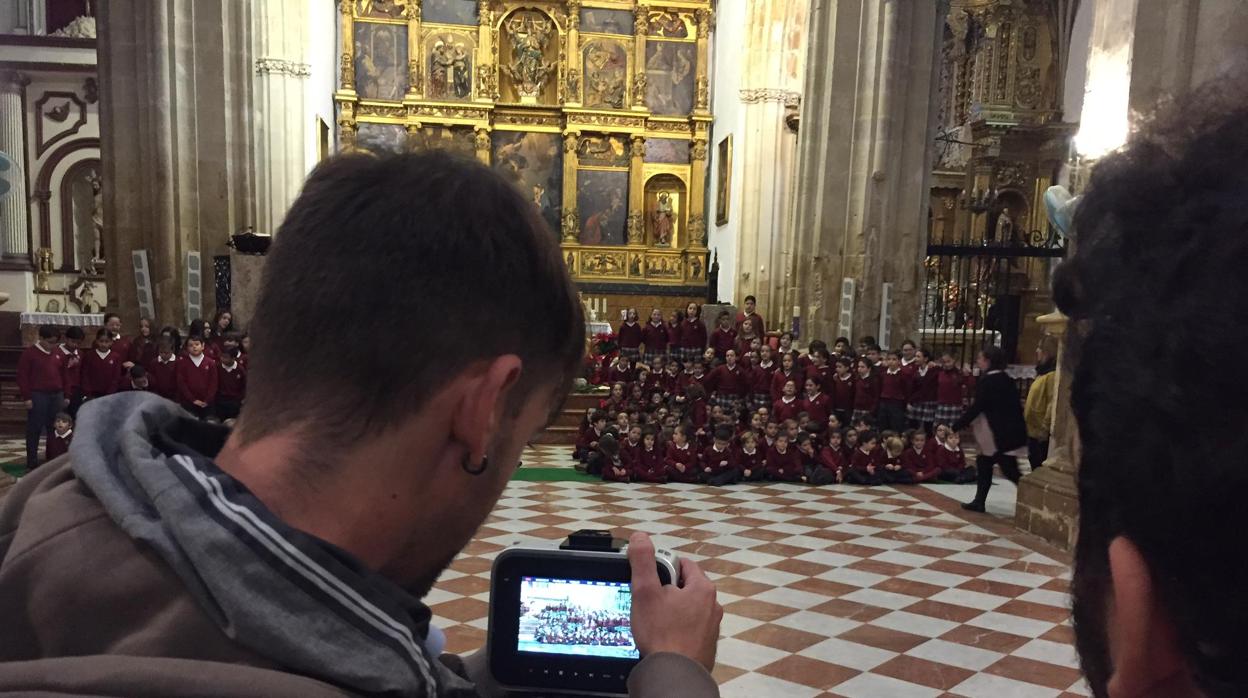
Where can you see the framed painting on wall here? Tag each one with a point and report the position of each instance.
(723, 180)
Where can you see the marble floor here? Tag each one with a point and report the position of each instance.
(837, 591)
(840, 591)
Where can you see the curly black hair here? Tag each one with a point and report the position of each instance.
(1162, 260)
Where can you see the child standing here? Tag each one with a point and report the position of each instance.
(40, 384)
(724, 337)
(231, 386)
(728, 384)
(629, 335)
(816, 404)
(843, 389)
(950, 384)
(61, 436)
(866, 391)
(894, 390)
(719, 466)
(71, 368)
(655, 335)
(197, 380)
(923, 377)
(163, 371)
(692, 334)
(788, 371)
(788, 406)
(101, 368)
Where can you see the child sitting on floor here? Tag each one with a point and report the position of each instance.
(750, 458)
(649, 465)
(894, 472)
(953, 465)
(867, 463)
(719, 465)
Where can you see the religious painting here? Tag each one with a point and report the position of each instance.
(669, 25)
(669, 76)
(669, 151)
(533, 162)
(457, 140)
(380, 9)
(603, 151)
(606, 21)
(449, 11)
(606, 73)
(449, 65)
(381, 138)
(666, 267)
(602, 200)
(723, 177)
(665, 209)
(380, 60)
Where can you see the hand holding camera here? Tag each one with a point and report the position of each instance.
(669, 618)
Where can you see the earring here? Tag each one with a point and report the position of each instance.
(477, 470)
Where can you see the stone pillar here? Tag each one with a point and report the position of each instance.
(280, 30)
(176, 80)
(15, 207)
(1048, 499)
(864, 161)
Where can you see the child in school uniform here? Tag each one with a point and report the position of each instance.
(915, 458)
(231, 386)
(842, 390)
(655, 335)
(629, 335)
(750, 458)
(616, 400)
(953, 465)
(62, 435)
(681, 458)
(649, 466)
(729, 384)
(921, 412)
(101, 368)
(719, 463)
(788, 406)
(622, 371)
(71, 368)
(607, 461)
(587, 441)
(894, 471)
(162, 371)
(136, 379)
(724, 337)
(788, 371)
(696, 409)
(950, 387)
(939, 434)
(692, 334)
(760, 378)
(816, 403)
(867, 465)
(197, 380)
(832, 455)
(784, 464)
(814, 472)
(866, 391)
(894, 391)
(819, 368)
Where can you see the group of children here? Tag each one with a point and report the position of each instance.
(205, 372)
(737, 409)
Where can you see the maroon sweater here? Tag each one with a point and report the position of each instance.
(923, 385)
(59, 445)
(867, 393)
(649, 463)
(779, 378)
(949, 386)
(71, 370)
(818, 407)
(231, 383)
(756, 321)
(655, 337)
(822, 375)
(784, 466)
(687, 457)
(760, 381)
(781, 410)
(163, 376)
(894, 387)
(842, 391)
(692, 334)
(722, 340)
(861, 460)
(832, 458)
(919, 464)
(197, 382)
(39, 371)
(629, 335)
(718, 461)
(753, 462)
(729, 381)
(101, 375)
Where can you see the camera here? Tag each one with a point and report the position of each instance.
(560, 617)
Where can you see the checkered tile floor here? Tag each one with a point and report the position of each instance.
(835, 591)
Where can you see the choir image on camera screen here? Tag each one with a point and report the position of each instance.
(578, 617)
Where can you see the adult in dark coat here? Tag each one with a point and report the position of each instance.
(998, 403)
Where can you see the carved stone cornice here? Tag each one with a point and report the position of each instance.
(282, 66)
(757, 95)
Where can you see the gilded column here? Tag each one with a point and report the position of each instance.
(697, 201)
(481, 143)
(641, 27)
(636, 191)
(487, 73)
(570, 223)
(572, 90)
(14, 208)
(415, 56)
(702, 85)
(346, 95)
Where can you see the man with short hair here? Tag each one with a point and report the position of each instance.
(288, 557)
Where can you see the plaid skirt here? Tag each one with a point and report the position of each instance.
(630, 353)
(922, 412)
(759, 401)
(947, 414)
(730, 403)
(686, 355)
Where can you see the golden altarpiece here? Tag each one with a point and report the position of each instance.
(597, 110)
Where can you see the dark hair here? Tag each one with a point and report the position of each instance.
(101, 333)
(110, 316)
(172, 333)
(894, 353)
(697, 307)
(695, 391)
(867, 436)
(786, 334)
(996, 358)
(374, 238)
(165, 342)
(867, 340)
(816, 345)
(194, 338)
(50, 332)
(927, 354)
(846, 361)
(74, 333)
(63, 417)
(1162, 247)
(910, 342)
(232, 352)
(137, 372)
(598, 416)
(909, 436)
(723, 314)
(195, 330)
(803, 438)
(216, 321)
(723, 433)
(822, 353)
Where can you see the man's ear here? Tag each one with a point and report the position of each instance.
(1142, 644)
(476, 415)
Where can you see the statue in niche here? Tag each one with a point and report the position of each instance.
(529, 33)
(664, 218)
(461, 71)
(440, 62)
(450, 70)
(1005, 226)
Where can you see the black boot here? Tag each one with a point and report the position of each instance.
(983, 472)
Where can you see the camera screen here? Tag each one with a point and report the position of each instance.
(580, 617)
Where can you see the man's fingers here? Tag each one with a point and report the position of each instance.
(641, 560)
(692, 575)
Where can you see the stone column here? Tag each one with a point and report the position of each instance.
(176, 80)
(280, 120)
(15, 207)
(864, 153)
